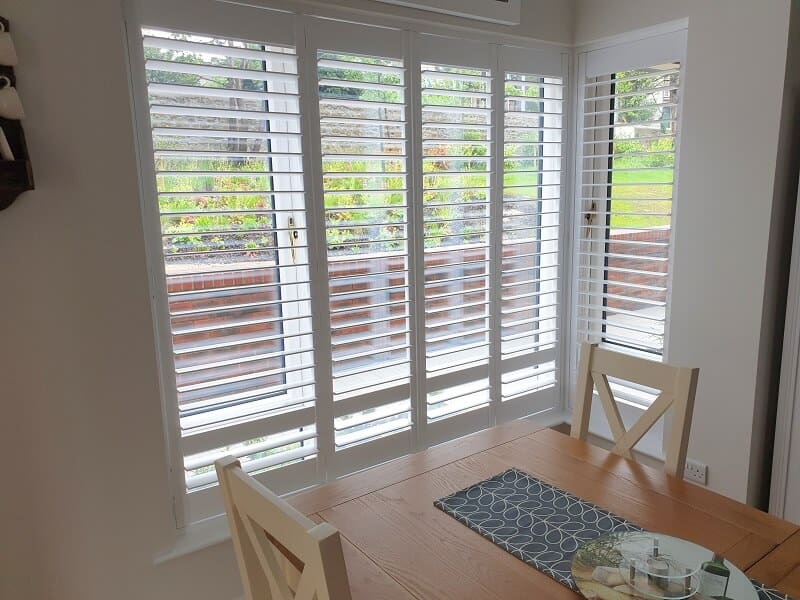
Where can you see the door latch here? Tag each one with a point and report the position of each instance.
(294, 239)
(590, 214)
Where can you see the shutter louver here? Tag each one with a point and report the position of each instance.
(456, 178)
(363, 142)
(630, 124)
(225, 120)
(531, 204)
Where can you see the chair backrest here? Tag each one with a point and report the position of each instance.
(676, 384)
(282, 554)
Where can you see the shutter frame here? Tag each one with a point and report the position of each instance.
(533, 103)
(249, 293)
(602, 173)
(301, 420)
(457, 361)
(229, 20)
(638, 54)
(371, 419)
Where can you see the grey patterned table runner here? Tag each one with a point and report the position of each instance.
(539, 523)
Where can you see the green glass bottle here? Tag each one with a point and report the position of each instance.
(714, 577)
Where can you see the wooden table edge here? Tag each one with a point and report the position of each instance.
(791, 529)
(337, 492)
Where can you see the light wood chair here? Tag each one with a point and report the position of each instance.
(282, 554)
(676, 384)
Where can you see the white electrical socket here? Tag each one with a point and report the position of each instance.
(695, 471)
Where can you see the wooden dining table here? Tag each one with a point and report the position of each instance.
(398, 546)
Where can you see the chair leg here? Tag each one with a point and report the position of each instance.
(583, 400)
(681, 424)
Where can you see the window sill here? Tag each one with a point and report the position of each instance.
(195, 537)
(214, 530)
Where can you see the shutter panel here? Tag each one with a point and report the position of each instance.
(630, 125)
(363, 144)
(532, 153)
(456, 178)
(225, 120)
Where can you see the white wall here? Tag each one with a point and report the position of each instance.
(78, 355)
(723, 290)
(84, 503)
(545, 20)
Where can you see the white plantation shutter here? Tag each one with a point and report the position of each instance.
(626, 151)
(364, 162)
(532, 150)
(456, 178)
(360, 179)
(225, 120)
(630, 126)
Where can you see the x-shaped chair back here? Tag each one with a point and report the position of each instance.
(282, 554)
(676, 384)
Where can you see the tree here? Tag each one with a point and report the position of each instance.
(640, 97)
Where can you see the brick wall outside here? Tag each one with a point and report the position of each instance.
(621, 244)
(229, 313)
(248, 322)
(261, 275)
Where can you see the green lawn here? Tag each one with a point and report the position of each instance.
(520, 179)
(626, 198)
(648, 184)
(633, 192)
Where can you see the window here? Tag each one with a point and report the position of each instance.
(629, 140)
(353, 239)
(626, 151)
